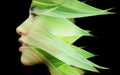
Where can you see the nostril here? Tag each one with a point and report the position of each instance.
(20, 31)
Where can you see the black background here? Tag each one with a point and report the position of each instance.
(104, 43)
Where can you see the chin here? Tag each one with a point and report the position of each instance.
(29, 58)
(28, 62)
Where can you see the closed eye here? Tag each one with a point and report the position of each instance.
(34, 15)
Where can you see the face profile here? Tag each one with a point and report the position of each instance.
(28, 57)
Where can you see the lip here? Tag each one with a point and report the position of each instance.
(23, 44)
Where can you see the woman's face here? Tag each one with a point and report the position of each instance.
(28, 56)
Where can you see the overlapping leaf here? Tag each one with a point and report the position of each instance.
(67, 8)
(52, 34)
(47, 41)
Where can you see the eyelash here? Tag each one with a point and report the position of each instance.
(34, 15)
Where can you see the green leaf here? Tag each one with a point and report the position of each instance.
(60, 27)
(62, 67)
(83, 52)
(63, 8)
(68, 70)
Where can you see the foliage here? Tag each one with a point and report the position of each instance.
(53, 32)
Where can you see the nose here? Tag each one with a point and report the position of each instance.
(21, 31)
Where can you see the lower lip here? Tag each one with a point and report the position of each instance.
(23, 47)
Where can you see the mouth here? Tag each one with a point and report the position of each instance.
(23, 45)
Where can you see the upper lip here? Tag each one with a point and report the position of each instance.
(21, 42)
